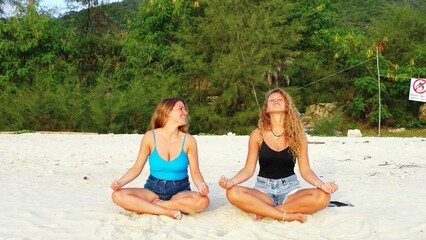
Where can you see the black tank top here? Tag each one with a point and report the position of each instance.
(275, 165)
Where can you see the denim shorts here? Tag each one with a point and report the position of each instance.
(278, 189)
(166, 189)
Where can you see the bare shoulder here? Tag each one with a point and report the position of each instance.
(190, 139)
(190, 143)
(148, 139)
(148, 135)
(256, 136)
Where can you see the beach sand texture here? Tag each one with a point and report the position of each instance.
(56, 186)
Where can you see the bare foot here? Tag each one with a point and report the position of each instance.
(176, 214)
(257, 217)
(160, 203)
(300, 217)
(157, 201)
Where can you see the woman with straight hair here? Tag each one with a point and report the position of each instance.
(170, 152)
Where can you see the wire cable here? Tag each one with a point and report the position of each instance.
(333, 74)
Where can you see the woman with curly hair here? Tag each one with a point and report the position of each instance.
(278, 143)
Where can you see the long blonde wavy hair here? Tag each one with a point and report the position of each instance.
(293, 127)
(162, 111)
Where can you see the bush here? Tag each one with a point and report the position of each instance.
(328, 127)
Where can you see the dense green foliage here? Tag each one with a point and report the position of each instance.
(103, 69)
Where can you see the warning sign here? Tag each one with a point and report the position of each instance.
(418, 90)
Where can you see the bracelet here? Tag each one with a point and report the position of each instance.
(203, 183)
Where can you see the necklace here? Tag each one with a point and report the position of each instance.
(276, 136)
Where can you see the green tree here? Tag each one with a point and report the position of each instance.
(32, 49)
(315, 53)
(148, 49)
(405, 28)
(229, 48)
(95, 17)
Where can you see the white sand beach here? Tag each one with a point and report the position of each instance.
(56, 186)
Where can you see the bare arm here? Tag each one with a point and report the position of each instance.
(194, 166)
(247, 171)
(136, 169)
(304, 166)
(308, 174)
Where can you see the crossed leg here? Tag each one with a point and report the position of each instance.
(187, 202)
(141, 200)
(308, 201)
(254, 201)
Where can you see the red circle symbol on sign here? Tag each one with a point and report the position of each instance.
(419, 86)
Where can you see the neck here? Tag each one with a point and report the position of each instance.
(171, 132)
(277, 121)
(277, 128)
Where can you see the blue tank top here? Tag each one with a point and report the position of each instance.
(175, 169)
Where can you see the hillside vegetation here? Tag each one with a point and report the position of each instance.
(103, 69)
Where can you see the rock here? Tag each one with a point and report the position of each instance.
(317, 112)
(354, 133)
(422, 112)
(398, 130)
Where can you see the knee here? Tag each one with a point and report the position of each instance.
(322, 198)
(233, 194)
(116, 197)
(203, 203)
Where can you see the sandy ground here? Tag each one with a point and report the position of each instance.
(56, 186)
